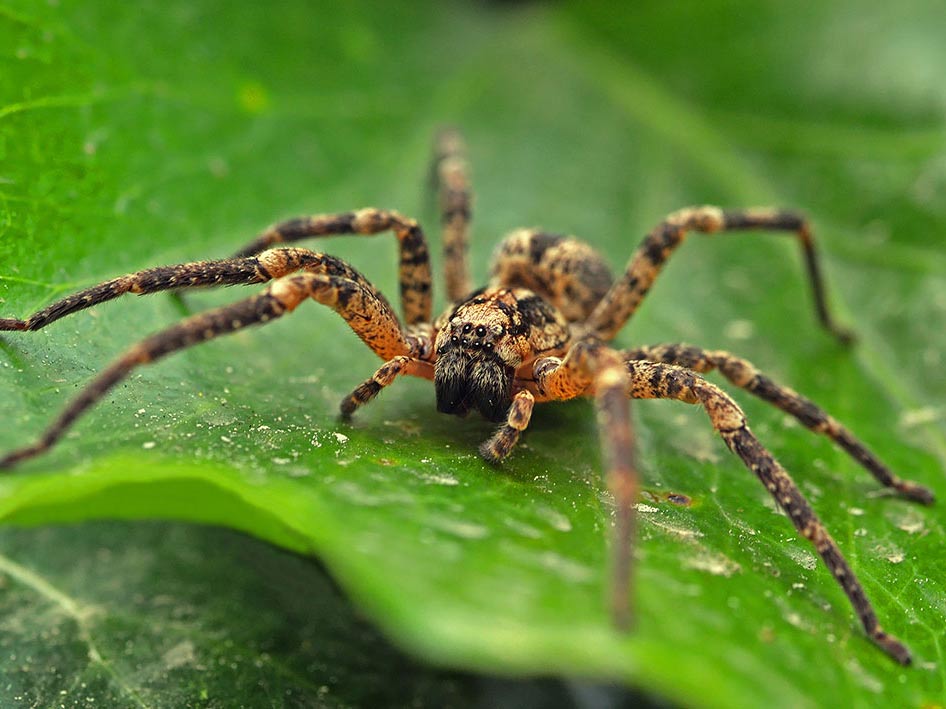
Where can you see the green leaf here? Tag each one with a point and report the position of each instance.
(139, 135)
(159, 614)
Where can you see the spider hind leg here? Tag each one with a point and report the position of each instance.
(655, 380)
(745, 375)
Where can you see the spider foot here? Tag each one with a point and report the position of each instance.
(844, 336)
(348, 407)
(493, 452)
(915, 492)
(15, 456)
(893, 647)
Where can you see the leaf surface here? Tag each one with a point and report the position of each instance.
(135, 136)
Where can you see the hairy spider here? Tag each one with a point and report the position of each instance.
(537, 332)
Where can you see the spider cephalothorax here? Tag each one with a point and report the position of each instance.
(539, 332)
(484, 341)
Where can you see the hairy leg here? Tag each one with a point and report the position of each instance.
(385, 376)
(501, 443)
(589, 366)
(743, 374)
(348, 298)
(450, 173)
(414, 267)
(628, 291)
(248, 270)
(654, 380)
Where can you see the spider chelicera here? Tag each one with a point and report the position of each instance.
(537, 332)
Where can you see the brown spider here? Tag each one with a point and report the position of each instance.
(536, 333)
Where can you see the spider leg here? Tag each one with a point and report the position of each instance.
(357, 305)
(654, 380)
(501, 443)
(450, 174)
(743, 374)
(589, 366)
(628, 291)
(385, 376)
(414, 268)
(248, 270)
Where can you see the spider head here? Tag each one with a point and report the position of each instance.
(471, 371)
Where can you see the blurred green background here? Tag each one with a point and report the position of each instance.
(134, 135)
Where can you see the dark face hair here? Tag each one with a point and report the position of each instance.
(464, 382)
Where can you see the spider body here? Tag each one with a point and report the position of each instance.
(538, 332)
(487, 346)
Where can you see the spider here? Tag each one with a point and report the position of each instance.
(537, 332)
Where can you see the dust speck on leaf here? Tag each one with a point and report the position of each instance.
(713, 563)
(556, 519)
(459, 528)
(570, 570)
(911, 522)
(739, 329)
(866, 680)
(803, 558)
(408, 427)
(919, 417)
(676, 529)
(439, 479)
(180, 655)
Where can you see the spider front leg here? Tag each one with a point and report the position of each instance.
(645, 265)
(370, 318)
(501, 443)
(254, 265)
(653, 380)
(386, 374)
(590, 367)
(414, 258)
(744, 375)
(248, 270)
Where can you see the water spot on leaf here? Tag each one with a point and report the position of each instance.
(459, 528)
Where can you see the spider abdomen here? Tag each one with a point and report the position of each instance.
(566, 271)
